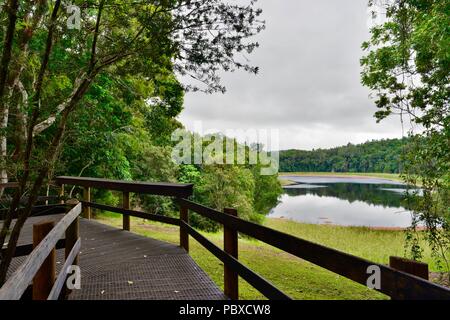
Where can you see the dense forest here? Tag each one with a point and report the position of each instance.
(373, 156)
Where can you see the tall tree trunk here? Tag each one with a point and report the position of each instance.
(12, 7)
(13, 209)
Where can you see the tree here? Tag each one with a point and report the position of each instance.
(407, 67)
(46, 70)
(239, 185)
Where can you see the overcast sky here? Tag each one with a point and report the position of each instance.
(309, 81)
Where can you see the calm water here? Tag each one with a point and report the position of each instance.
(344, 201)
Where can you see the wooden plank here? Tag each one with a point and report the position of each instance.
(164, 189)
(45, 276)
(184, 235)
(230, 243)
(126, 206)
(70, 260)
(258, 282)
(18, 282)
(132, 257)
(393, 282)
(133, 213)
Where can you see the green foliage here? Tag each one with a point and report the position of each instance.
(113, 136)
(408, 61)
(119, 134)
(267, 191)
(374, 156)
(428, 164)
(241, 187)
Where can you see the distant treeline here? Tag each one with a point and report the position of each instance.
(373, 156)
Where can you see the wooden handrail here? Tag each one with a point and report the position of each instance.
(133, 213)
(18, 282)
(258, 282)
(163, 189)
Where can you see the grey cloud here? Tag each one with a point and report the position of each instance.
(309, 84)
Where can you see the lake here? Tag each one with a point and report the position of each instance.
(344, 201)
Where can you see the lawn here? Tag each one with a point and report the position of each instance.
(296, 277)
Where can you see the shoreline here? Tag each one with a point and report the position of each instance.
(283, 176)
(355, 175)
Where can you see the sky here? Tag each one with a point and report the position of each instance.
(309, 85)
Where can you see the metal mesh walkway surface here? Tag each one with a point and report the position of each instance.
(117, 264)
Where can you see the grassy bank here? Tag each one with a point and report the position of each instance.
(388, 176)
(298, 278)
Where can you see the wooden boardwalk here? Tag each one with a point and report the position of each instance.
(117, 264)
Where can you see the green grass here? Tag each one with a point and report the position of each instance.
(296, 277)
(389, 176)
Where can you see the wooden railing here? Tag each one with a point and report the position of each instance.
(39, 265)
(394, 283)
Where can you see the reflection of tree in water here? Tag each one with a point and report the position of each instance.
(369, 193)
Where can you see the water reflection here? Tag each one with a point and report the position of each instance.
(360, 202)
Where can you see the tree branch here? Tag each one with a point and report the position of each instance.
(43, 125)
(96, 33)
(12, 7)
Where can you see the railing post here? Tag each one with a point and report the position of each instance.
(72, 235)
(184, 235)
(230, 242)
(416, 268)
(61, 194)
(126, 205)
(44, 279)
(413, 267)
(87, 198)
